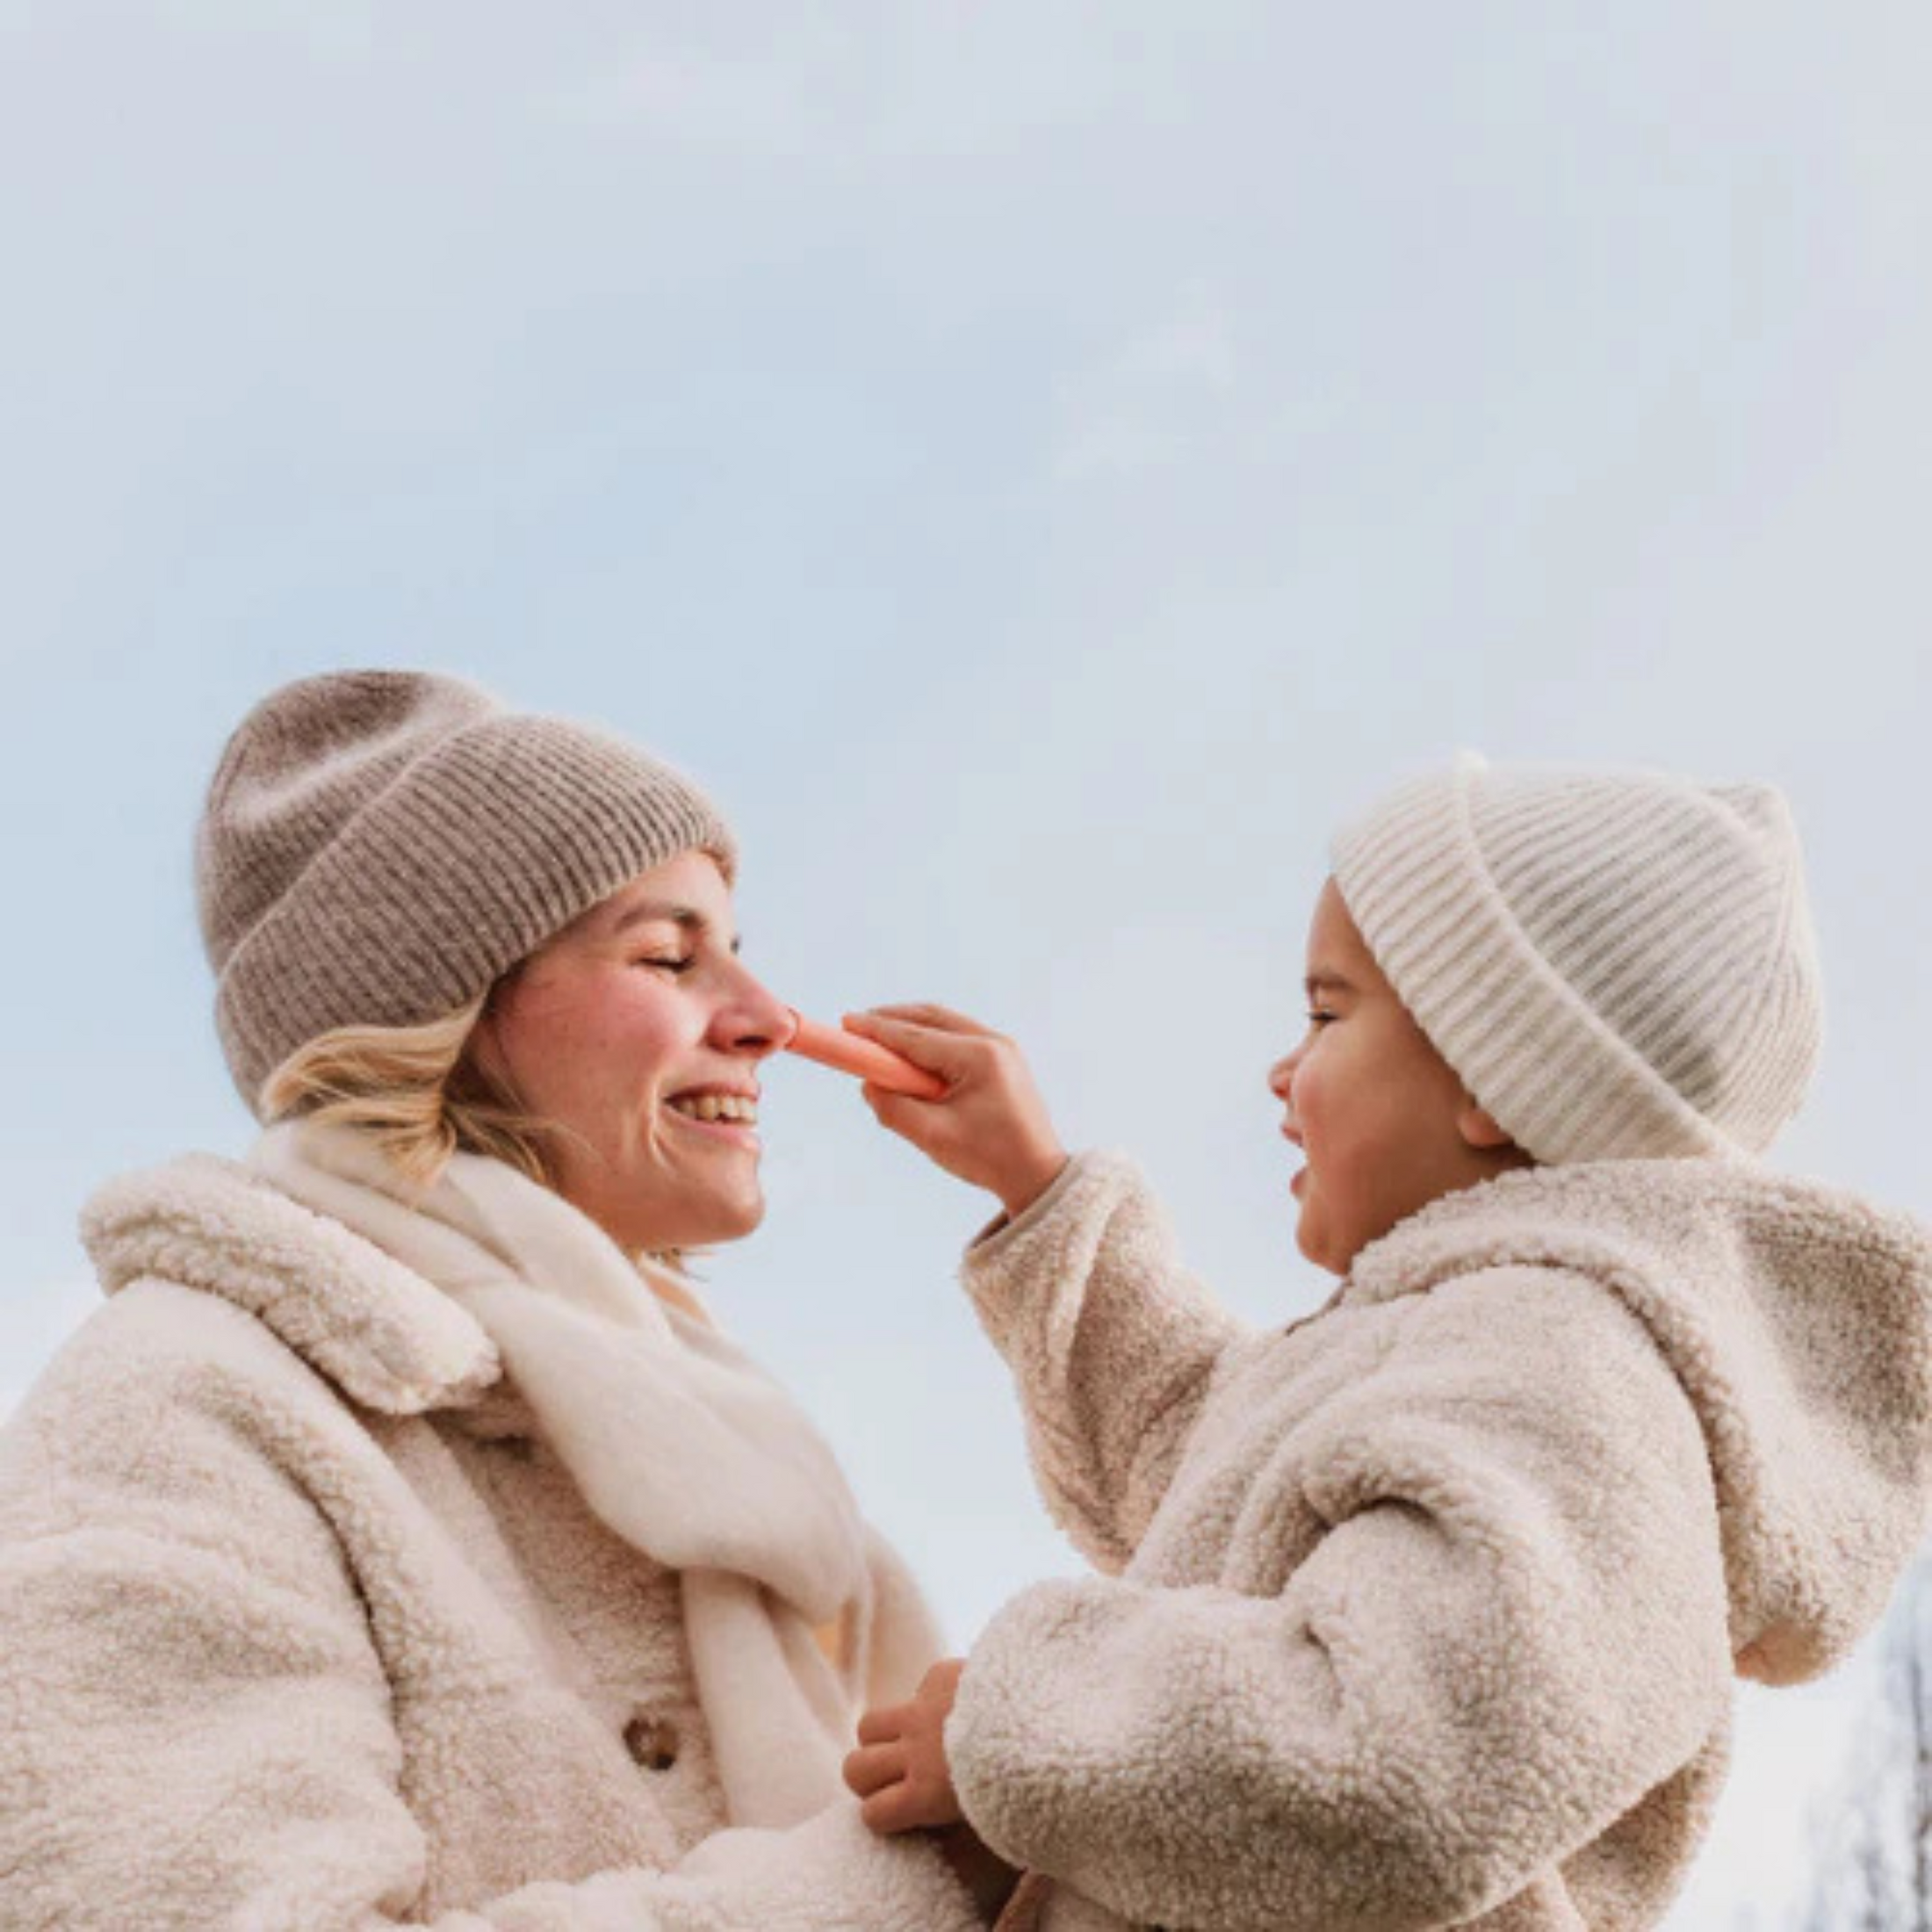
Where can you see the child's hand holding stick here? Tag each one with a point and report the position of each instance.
(992, 1127)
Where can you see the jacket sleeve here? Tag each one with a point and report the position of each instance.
(1512, 1628)
(196, 1729)
(1111, 1343)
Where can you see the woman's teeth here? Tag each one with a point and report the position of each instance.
(716, 1107)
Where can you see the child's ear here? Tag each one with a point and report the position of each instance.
(1478, 1127)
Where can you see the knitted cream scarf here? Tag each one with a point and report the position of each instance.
(677, 1440)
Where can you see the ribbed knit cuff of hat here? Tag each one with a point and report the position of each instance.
(1618, 965)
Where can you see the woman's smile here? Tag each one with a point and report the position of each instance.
(726, 1115)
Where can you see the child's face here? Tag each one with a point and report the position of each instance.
(1382, 1119)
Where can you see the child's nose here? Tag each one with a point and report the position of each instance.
(1281, 1076)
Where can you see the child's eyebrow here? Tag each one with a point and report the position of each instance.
(1325, 980)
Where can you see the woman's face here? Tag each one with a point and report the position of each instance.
(637, 1032)
(1380, 1116)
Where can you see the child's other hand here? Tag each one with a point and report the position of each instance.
(992, 1128)
(899, 1770)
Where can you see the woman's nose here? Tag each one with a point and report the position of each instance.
(754, 1020)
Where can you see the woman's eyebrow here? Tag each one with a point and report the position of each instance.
(666, 912)
(659, 912)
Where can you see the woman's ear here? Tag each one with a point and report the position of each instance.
(1479, 1128)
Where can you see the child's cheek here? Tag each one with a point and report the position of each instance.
(1319, 1111)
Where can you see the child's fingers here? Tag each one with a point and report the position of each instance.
(885, 1725)
(941, 1681)
(933, 1048)
(900, 1111)
(895, 1027)
(872, 1767)
(903, 1806)
(950, 1061)
(924, 1013)
(881, 1814)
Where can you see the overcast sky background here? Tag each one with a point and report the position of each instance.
(1041, 466)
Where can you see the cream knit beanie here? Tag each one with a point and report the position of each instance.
(378, 846)
(1618, 964)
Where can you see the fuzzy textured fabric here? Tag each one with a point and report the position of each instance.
(647, 1408)
(306, 1622)
(378, 846)
(1619, 965)
(1424, 1611)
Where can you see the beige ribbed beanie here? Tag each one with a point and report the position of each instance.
(378, 846)
(1618, 964)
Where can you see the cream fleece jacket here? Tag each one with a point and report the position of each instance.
(1424, 1611)
(302, 1626)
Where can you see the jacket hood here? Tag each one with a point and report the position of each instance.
(1797, 1319)
(387, 1338)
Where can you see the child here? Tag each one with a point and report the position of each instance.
(1424, 1611)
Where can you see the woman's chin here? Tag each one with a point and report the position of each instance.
(696, 1225)
(691, 1218)
(735, 1221)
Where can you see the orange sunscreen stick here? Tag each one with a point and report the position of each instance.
(867, 1059)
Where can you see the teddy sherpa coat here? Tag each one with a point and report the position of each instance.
(301, 1626)
(1426, 1610)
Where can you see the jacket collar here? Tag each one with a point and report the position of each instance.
(390, 1340)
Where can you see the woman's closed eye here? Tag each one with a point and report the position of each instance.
(669, 962)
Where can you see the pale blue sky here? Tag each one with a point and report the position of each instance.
(1039, 466)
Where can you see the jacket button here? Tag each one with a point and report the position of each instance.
(651, 1741)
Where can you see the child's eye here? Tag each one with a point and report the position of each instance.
(1319, 1016)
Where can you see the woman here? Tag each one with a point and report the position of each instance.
(401, 1543)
